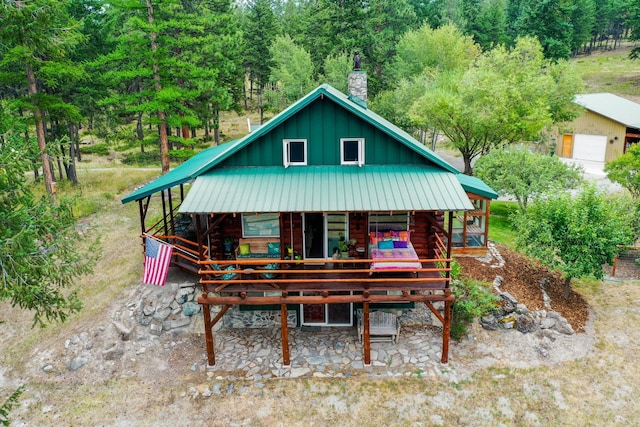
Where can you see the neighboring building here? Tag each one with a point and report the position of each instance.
(609, 125)
(317, 217)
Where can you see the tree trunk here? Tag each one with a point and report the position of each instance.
(164, 140)
(42, 143)
(78, 155)
(216, 126)
(139, 130)
(468, 170)
(70, 162)
(244, 92)
(567, 288)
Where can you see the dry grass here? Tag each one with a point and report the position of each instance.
(611, 71)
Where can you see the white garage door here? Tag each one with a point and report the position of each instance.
(589, 147)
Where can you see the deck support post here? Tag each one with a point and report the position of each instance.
(366, 338)
(446, 332)
(208, 333)
(285, 335)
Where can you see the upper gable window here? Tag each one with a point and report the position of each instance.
(352, 151)
(294, 152)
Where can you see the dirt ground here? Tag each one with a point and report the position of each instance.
(493, 378)
(522, 280)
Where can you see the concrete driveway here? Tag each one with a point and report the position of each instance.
(594, 171)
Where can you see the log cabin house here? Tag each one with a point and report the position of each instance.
(326, 212)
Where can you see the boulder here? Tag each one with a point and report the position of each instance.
(526, 323)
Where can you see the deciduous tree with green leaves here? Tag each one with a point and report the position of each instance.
(292, 73)
(625, 170)
(576, 235)
(525, 175)
(507, 96)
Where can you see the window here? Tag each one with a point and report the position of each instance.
(388, 221)
(294, 152)
(352, 151)
(262, 225)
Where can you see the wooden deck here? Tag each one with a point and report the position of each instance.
(349, 275)
(322, 282)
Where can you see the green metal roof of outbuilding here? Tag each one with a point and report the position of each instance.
(612, 106)
(326, 189)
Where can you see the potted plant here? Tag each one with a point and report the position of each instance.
(343, 247)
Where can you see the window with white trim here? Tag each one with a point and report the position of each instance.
(352, 151)
(294, 152)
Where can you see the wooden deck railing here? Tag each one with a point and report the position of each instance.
(186, 250)
(321, 275)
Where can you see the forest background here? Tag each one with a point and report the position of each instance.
(154, 77)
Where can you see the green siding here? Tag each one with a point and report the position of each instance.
(322, 124)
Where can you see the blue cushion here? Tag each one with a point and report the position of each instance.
(227, 276)
(272, 266)
(399, 244)
(273, 248)
(385, 244)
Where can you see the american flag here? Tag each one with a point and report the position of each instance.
(156, 261)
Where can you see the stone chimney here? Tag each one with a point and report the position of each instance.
(358, 87)
(358, 82)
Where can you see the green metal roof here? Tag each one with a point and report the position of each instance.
(476, 186)
(612, 106)
(326, 189)
(182, 173)
(210, 158)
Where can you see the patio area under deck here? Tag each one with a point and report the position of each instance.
(323, 282)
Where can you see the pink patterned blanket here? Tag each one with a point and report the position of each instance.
(395, 258)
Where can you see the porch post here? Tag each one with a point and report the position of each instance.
(199, 238)
(366, 339)
(285, 335)
(141, 209)
(171, 221)
(446, 331)
(164, 213)
(449, 244)
(208, 333)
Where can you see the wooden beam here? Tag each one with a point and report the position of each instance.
(285, 335)
(434, 311)
(208, 333)
(208, 330)
(367, 337)
(245, 299)
(446, 331)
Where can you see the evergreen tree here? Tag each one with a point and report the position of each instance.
(37, 37)
(172, 57)
(260, 28)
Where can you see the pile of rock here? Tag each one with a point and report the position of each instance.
(513, 315)
(167, 308)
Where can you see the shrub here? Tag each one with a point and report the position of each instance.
(181, 155)
(473, 299)
(97, 149)
(146, 158)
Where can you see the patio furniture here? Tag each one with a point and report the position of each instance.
(383, 326)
